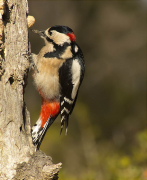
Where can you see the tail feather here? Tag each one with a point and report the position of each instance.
(38, 132)
(64, 119)
(66, 126)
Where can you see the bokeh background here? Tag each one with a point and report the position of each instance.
(107, 136)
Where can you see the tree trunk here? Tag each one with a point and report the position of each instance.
(18, 159)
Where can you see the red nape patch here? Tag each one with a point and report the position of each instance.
(72, 36)
(48, 109)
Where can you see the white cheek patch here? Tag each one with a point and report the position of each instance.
(76, 72)
(59, 38)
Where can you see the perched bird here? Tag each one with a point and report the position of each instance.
(58, 73)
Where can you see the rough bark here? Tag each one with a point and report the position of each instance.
(18, 159)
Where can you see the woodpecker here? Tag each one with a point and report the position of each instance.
(58, 73)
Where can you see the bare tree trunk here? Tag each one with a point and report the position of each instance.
(18, 159)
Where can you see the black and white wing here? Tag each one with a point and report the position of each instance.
(70, 77)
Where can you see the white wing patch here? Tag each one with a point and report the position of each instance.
(76, 49)
(59, 38)
(76, 72)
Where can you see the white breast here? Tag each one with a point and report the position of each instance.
(48, 85)
(47, 79)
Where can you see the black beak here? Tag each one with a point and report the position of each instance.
(40, 32)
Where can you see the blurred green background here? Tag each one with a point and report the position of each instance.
(107, 136)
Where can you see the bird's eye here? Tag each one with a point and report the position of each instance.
(50, 33)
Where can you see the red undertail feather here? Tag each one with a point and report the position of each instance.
(48, 109)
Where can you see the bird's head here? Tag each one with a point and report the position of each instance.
(57, 34)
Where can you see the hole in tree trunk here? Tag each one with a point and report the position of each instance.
(11, 80)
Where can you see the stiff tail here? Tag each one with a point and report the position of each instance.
(38, 132)
(64, 120)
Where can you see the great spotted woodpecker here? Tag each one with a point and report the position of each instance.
(58, 73)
